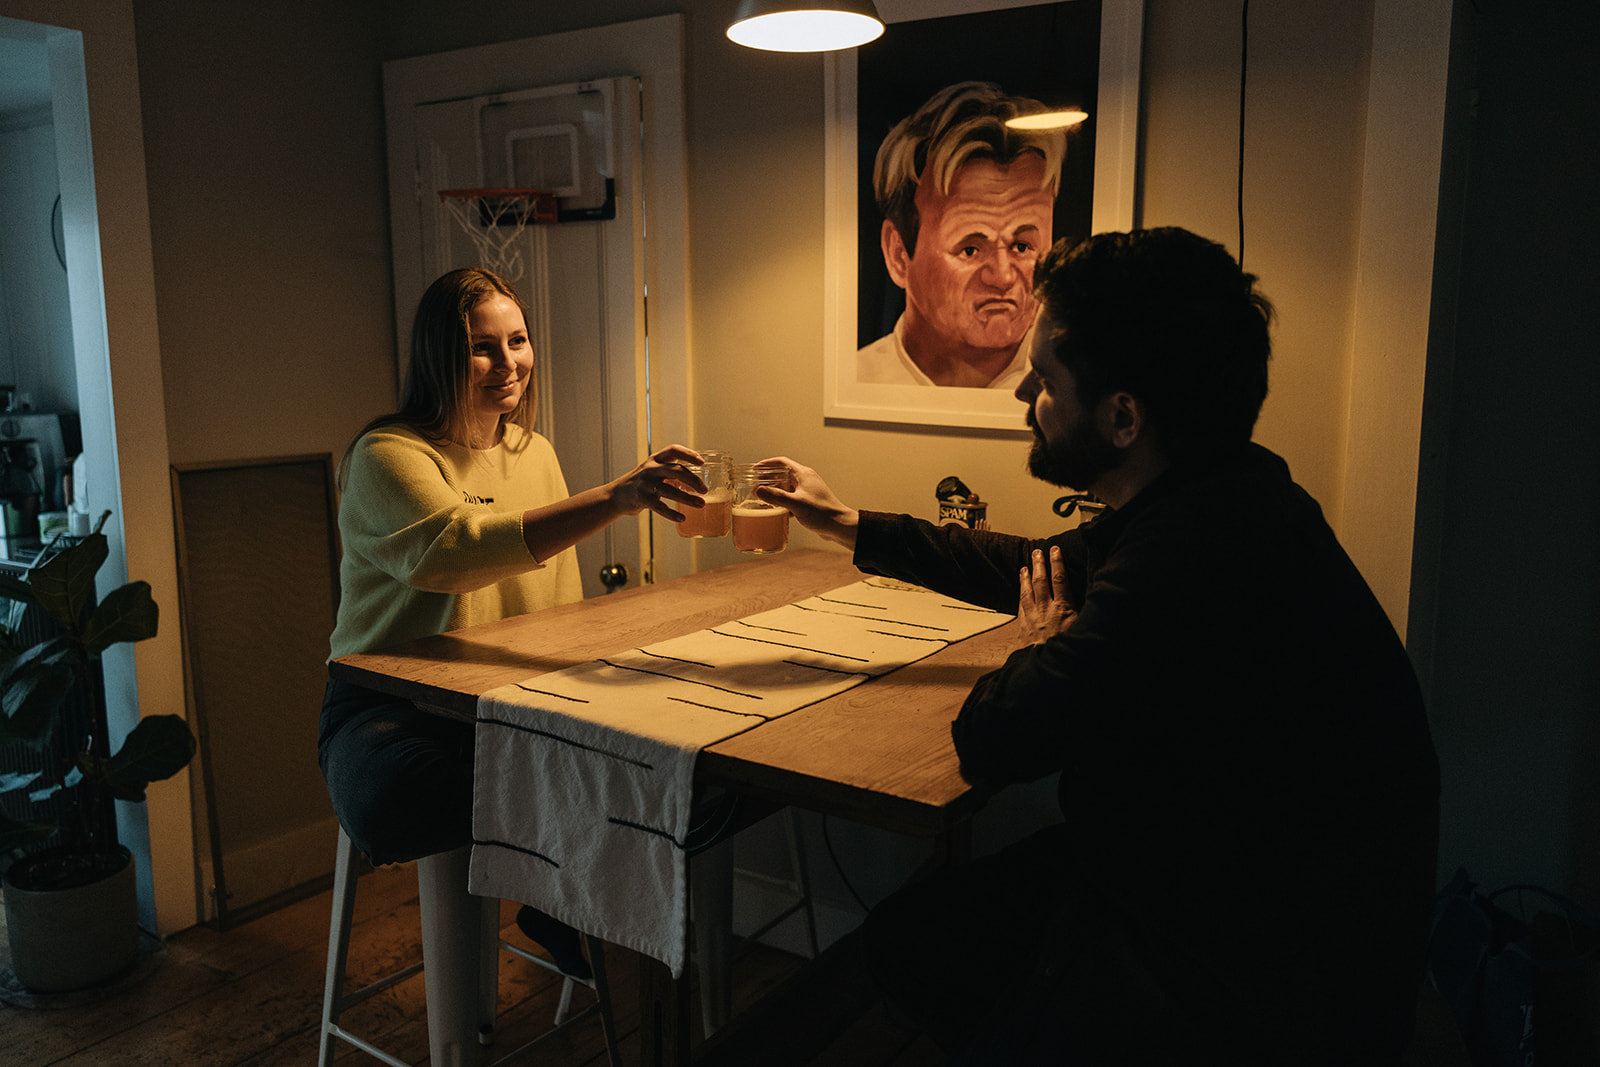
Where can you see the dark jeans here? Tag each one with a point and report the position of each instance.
(400, 778)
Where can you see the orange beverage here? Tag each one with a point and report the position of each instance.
(759, 527)
(711, 520)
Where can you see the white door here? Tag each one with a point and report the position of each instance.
(577, 276)
(476, 119)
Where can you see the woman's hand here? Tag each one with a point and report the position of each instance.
(658, 480)
(811, 502)
(1043, 610)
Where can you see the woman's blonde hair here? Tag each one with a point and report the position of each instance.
(434, 399)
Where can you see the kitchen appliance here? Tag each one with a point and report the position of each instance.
(55, 439)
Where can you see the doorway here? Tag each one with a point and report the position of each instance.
(105, 236)
(612, 369)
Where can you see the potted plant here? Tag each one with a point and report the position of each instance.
(71, 912)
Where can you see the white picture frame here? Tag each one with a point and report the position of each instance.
(846, 400)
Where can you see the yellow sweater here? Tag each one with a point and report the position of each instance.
(433, 537)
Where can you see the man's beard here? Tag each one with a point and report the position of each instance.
(1075, 463)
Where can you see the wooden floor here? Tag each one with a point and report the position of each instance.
(253, 996)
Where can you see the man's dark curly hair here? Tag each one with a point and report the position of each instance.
(1169, 317)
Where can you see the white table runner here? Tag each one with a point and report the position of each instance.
(585, 775)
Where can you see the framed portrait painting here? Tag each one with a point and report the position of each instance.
(934, 216)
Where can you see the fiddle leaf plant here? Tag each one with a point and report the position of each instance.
(35, 682)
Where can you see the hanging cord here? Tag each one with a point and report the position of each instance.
(827, 839)
(1244, 65)
(1087, 505)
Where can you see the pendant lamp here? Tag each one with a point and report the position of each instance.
(1049, 120)
(804, 25)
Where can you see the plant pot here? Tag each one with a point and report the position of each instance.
(67, 939)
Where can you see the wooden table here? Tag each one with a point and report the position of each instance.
(879, 753)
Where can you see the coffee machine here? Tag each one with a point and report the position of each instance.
(37, 448)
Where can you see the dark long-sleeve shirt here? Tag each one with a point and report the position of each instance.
(1245, 763)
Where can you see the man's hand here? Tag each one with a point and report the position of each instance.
(1042, 607)
(811, 502)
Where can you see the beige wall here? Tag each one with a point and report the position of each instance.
(271, 243)
(266, 191)
(264, 141)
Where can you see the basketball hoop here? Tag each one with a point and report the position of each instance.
(493, 219)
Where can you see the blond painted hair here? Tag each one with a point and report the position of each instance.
(959, 123)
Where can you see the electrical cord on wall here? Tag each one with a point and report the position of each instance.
(827, 839)
(1244, 66)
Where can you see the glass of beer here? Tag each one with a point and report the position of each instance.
(758, 527)
(713, 520)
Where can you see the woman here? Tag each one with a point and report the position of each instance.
(454, 512)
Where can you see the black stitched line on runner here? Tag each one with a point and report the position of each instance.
(911, 637)
(780, 644)
(517, 848)
(686, 681)
(849, 604)
(677, 659)
(864, 618)
(568, 741)
(547, 693)
(769, 629)
(830, 670)
(725, 711)
(641, 827)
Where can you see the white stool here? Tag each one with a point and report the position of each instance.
(460, 943)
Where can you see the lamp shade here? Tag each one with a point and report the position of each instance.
(804, 25)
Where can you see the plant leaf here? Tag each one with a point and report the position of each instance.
(13, 588)
(126, 614)
(16, 835)
(35, 685)
(16, 780)
(63, 583)
(159, 747)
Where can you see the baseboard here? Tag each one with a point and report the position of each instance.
(270, 868)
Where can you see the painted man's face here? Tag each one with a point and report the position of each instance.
(971, 277)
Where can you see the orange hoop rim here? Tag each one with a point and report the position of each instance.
(479, 194)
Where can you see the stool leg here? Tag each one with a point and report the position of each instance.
(344, 907)
(451, 942)
(711, 892)
(608, 1020)
(488, 968)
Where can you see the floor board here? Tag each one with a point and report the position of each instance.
(252, 996)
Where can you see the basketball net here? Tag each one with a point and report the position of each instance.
(493, 220)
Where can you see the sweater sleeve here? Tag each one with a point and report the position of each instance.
(404, 513)
(976, 566)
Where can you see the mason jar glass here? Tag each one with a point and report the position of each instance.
(758, 527)
(713, 519)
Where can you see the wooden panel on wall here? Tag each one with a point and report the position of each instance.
(258, 567)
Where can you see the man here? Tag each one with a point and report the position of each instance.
(1246, 867)
(967, 204)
